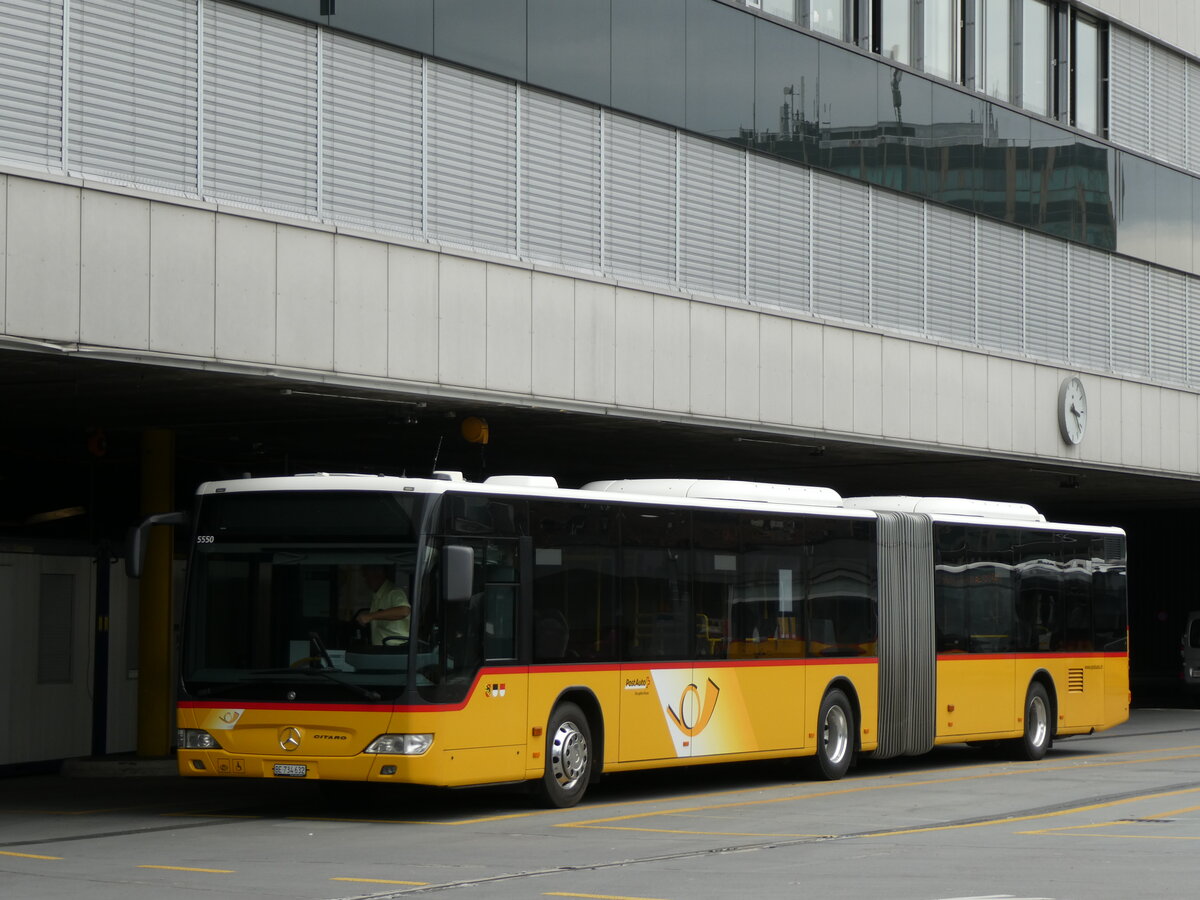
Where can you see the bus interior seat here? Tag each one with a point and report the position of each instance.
(551, 634)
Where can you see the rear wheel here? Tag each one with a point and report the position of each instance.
(1039, 727)
(835, 737)
(568, 758)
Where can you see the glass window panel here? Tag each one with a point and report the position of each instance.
(940, 35)
(570, 47)
(1050, 184)
(720, 70)
(1086, 83)
(1173, 218)
(895, 30)
(1071, 186)
(849, 123)
(648, 59)
(828, 17)
(1136, 206)
(717, 567)
(993, 39)
(785, 9)
(1035, 56)
(785, 92)
(1092, 167)
(765, 609)
(1003, 160)
(656, 611)
(840, 585)
(486, 34)
(905, 130)
(574, 581)
(957, 134)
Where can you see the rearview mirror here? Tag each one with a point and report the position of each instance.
(458, 571)
(135, 551)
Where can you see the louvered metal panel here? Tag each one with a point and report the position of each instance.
(260, 109)
(1089, 328)
(951, 274)
(1045, 297)
(133, 92)
(560, 181)
(712, 218)
(841, 236)
(1129, 90)
(999, 276)
(640, 202)
(1169, 325)
(472, 159)
(1130, 316)
(897, 262)
(779, 234)
(1168, 106)
(31, 67)
(1193, 117)
(372, 132)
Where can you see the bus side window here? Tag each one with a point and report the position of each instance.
(499, 617)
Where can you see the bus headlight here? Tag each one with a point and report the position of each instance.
(402, 744)
(195, 739)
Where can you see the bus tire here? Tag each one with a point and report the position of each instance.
(1039, 725)
(835, 737)
(568, 758)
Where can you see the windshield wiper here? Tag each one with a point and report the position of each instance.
(257, 674)
(329, 676)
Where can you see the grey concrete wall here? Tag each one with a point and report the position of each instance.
(105, 268)
(1174, 22)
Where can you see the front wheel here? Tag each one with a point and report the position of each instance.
(1039, 730)
(835, 737)
(568, 758)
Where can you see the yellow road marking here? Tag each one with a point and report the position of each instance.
(878, 783)
(379, 881)
(1002, 820)
(189, 869)
(594, 896)
(1073, 830)
(27, 855)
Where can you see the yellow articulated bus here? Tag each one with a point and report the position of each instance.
(439, 632)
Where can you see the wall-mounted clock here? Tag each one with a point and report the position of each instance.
(1072, 409)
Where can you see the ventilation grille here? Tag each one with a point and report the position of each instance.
(1075, 681)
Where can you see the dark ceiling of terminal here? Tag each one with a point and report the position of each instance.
(73, 426)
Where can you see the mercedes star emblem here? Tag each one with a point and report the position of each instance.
(289, 738)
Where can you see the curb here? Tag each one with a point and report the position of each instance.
(119, 768)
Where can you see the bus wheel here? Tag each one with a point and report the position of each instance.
(835, 737)
(1038, 728)
(568, 758)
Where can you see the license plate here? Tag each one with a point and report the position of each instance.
(290, 770)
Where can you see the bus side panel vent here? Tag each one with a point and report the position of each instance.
(1075, 681)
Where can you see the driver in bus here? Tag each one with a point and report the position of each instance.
(390, 608)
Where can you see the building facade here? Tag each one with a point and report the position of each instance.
(896, 223)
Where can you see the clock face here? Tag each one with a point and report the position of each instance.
(1072, 410)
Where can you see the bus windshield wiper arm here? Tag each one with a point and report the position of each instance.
(329, 676)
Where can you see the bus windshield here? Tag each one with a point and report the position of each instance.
(302, 596)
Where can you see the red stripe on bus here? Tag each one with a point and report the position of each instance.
(530, 670)
(1032, 655)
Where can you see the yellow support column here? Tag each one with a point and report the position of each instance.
(156, 694)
